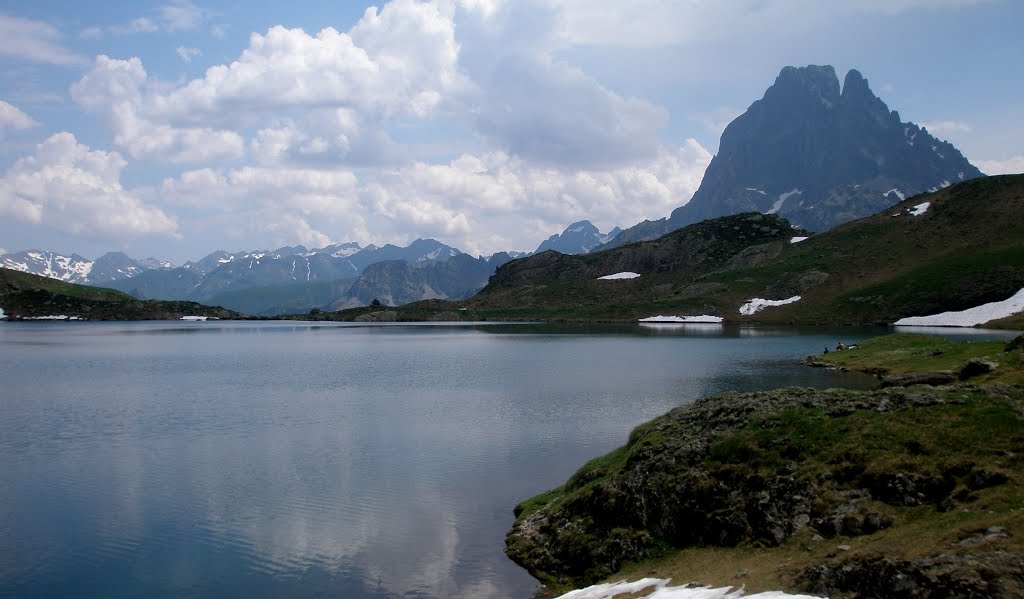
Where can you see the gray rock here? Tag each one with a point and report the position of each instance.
(976, 367)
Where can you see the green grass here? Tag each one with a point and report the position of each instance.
(901, 353)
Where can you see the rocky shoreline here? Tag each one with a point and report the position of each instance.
(792, 466)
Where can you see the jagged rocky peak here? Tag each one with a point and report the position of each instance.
(820, 155)
(578, 238)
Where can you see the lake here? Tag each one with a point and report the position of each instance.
(270, 459)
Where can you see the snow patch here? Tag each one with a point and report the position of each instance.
(619, 275)
(578, 229)
(920, 208)
(663, 591)
(2, 315)
(703, 318)
(755, 305)
(797, 239)
(196, 318)
(54, 317)
(944, 184)
(782, 200)
(898, 193)
(755, 189)
(970, 317)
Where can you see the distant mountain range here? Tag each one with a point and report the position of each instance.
(286, 280)
(817, 155)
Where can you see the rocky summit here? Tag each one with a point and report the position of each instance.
(819, 155)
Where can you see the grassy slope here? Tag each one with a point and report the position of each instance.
(26, 295)
(967, 249)
(977, 428)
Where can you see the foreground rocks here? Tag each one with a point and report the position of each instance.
(758, 469)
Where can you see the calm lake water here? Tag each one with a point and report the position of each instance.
(294, 459)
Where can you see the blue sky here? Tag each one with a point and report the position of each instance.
(172, 129)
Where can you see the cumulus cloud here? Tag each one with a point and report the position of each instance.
(479, 203)
(35, 41)
(77, 190)
(1009, 166)
(115, 90)
(397, 62)
(13, 119)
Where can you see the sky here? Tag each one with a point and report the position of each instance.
(174, 129)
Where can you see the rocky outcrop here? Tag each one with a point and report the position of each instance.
(754, 469)
(990, 574)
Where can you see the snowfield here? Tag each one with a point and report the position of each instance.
(704, 318)
(797, 239)
(970, 317)
(663, 591)
(920, 209)
(755, 305)
(619, 275)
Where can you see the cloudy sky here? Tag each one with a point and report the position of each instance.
(172, 129)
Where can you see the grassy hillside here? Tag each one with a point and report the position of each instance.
(966, 249)
(24, 295)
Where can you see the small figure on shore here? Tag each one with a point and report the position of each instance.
(826, 349)
(840, 346)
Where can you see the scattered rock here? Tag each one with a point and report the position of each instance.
(1016, 343)
(935, 377)
(976, 367)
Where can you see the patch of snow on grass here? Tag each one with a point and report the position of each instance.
(782, 200)
(619, 275)
(704, 318)
(970, 317)
(663, 591)
(755, 305)
(797, 239)
(920, 208)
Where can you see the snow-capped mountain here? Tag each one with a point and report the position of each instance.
(578, 238)
(76, 269)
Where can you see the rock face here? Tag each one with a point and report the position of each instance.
(744, 469)
(818, 155)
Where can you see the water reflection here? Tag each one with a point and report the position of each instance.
(270, 459)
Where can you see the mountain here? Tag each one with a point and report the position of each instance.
(29, 296)
(578, 238)
(296, 279)
(952, 249)
(817, 155)
(397, 282)
(76, 269)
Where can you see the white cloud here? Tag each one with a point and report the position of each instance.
(181, 15)
(115, 89)
(1009, 166)
(946, 127)
(35, 41)
(77, 190)
(187, 53)
(396, 63)
(479, 203)
(13, 119)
